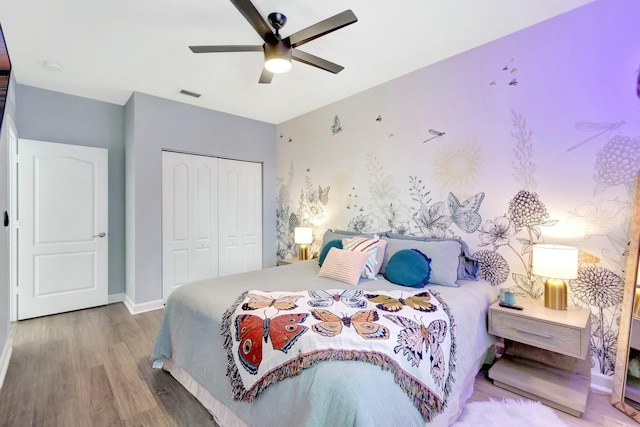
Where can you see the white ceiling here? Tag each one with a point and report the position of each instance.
(108, 49)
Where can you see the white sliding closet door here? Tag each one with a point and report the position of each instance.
(189, 219)
(240, 210)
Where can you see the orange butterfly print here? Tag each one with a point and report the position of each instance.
(363, 323)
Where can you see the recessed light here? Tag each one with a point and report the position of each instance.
(53, 66)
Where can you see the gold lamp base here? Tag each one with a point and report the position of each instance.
(303, 252)
(555, 294)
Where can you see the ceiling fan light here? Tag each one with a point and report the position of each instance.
(278, 65)
(277, 57)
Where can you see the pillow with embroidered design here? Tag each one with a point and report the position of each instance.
(368, 246)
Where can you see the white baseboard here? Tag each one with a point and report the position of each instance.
(4, 360)
(141, 308)
(114, 298)
(601, 382)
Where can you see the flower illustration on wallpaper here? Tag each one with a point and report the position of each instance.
(525, 213)
(360, 224)
(284, 237)
(601, 128)
(433, 221)
(497, 232)
(493, 267)
(617, 164)
(602, 288)
(310, 205)
(597, 218)
(385, 204)
(523, 165)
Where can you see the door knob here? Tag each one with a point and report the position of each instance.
(100, 235)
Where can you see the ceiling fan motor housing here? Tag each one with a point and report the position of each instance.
(278, 52)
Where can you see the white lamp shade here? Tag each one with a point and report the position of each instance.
(555, 261)
(303, 235)
(278, 65)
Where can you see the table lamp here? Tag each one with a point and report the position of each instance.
(303, 236)
(556, 262)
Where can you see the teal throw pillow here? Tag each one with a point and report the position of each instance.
(325, 250)
(409, 267)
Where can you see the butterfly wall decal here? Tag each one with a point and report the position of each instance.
(412, 338)
(283, 331)
(418, 302)
(465, 215)
(256, 302)
(350, 297)
(337, 126)
(331, 325)
(323, 195)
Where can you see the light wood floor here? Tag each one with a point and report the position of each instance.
(92, 368)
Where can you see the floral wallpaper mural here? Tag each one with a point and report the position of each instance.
(548, 152)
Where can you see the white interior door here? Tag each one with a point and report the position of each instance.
(189, 219)
(62, 228)
(240, 200)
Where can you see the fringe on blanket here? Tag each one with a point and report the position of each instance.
(422, 397)
(452, 352)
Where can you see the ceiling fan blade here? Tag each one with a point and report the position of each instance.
(251, 14)
(315, 61)
(323, 27)
(266, 76)
(227, 48)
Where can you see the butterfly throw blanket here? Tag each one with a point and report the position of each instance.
(270, 336)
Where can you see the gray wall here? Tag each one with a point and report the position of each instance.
(9, 114)
(153, 124)
(56, 117)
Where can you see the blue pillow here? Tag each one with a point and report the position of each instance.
(409, 267)
(325, 250)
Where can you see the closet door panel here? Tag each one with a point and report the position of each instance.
(240, 201)
(189, 219)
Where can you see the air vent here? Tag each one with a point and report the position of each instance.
(189, 93)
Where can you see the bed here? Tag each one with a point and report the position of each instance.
(191, 346)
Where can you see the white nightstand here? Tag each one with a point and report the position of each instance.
(559, 337)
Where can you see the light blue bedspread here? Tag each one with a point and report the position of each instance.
(332, 393)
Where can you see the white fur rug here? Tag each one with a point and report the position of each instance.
(508, 412)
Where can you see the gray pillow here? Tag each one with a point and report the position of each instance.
(468, 266)
(444, 254)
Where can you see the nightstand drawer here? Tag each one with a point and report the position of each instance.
(549, 336)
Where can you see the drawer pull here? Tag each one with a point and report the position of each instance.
(538, 334)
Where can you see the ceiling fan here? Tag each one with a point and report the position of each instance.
(279, 52)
